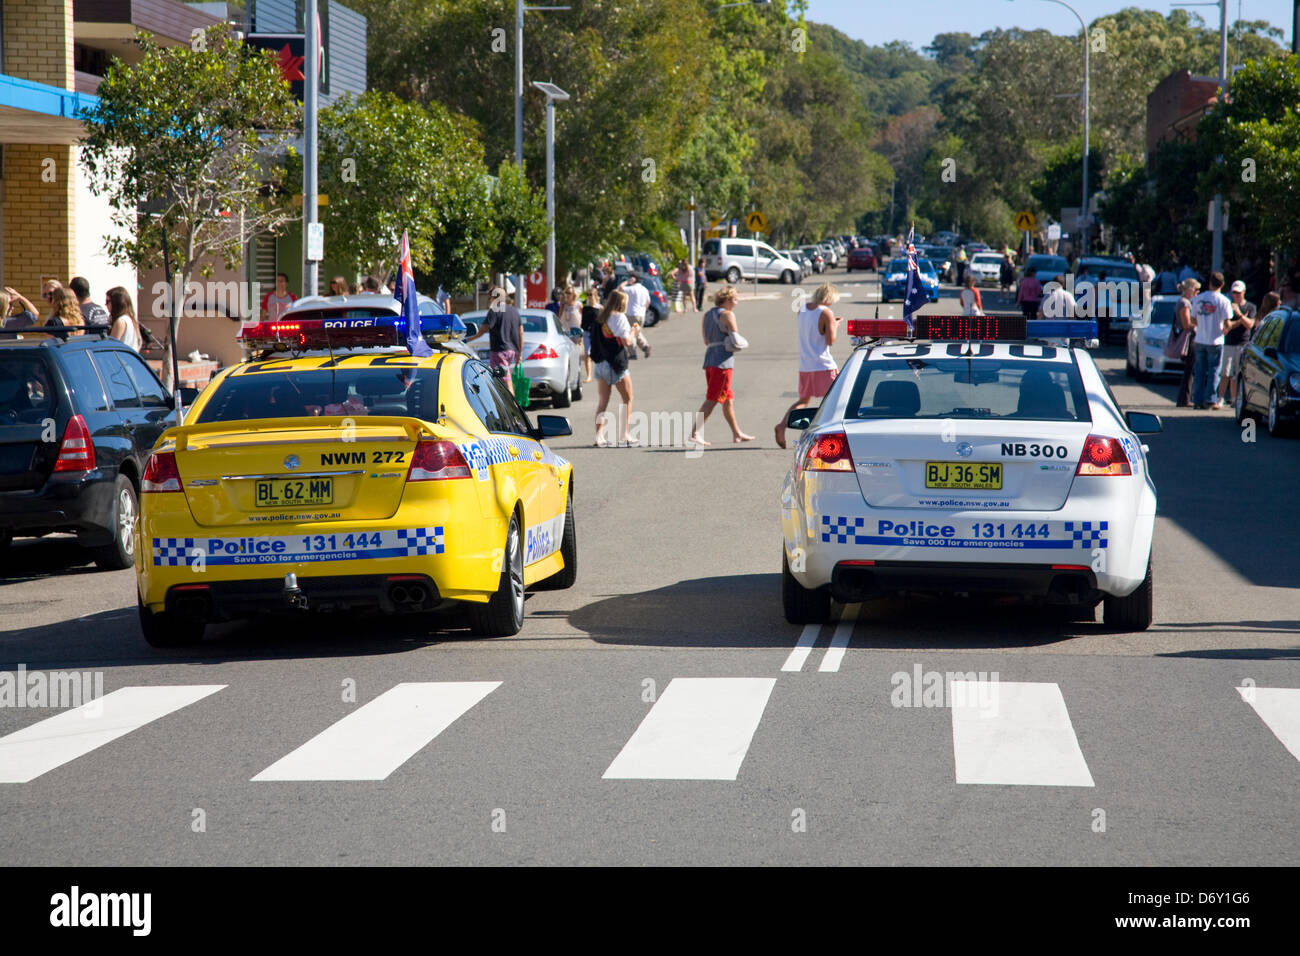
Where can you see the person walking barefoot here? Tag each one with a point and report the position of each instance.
(609, 344)
(718, 365)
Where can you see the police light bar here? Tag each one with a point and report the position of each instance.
(877, 328)
(359, 329)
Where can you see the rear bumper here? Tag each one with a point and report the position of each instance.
(858, 581)
(232, 600)
(81, 503)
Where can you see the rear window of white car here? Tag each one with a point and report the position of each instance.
(927, 387)
(991, 260)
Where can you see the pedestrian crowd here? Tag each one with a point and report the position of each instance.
(72, 307)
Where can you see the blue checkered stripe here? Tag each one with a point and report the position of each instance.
(840, 529)
(1087, 534)
(422, 540)
(172, 552)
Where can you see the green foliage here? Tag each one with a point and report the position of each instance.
(196, 129)
(1061, 183)
(427, 165)
(517, 238)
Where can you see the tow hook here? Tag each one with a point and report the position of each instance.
(293, 596)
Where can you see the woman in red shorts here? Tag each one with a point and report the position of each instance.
(718, 363)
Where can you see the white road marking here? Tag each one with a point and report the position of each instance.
(32, 751)
(1279, 708)
(1015, 733)
(376, 739)
(699, 729)
(834, 655)
(807, 640)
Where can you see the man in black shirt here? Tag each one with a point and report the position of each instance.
(1234, 343)
(505, 333)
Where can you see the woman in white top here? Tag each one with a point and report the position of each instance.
(121, 314)
(815, 329)
(970, 297)
(609, 341)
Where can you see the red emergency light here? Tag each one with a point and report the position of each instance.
(877, 328)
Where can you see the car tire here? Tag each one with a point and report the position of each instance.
(565, 579)
(733, 276)
(562, 399)
(503, 614)
(1130, 370)
(162, 629)
(802, 605)
(1239, 407)
(577, 387)
(119, 553)
(651, 318)
(787, 277)
(1131, 613)
(1273, 419)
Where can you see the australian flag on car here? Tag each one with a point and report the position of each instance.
(915, 296)
(405, 293)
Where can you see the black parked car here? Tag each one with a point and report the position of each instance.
(79, 415)
(1269, 381)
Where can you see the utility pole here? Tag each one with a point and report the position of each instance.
(1216, 246)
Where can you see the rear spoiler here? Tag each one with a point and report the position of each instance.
(414, 428)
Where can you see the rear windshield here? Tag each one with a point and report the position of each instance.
(1162, 313)
(899, 266)
(304, 393)
(27, 394)
(541, 323)
(968, 388)
(992, 259)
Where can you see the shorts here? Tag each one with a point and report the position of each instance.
(718, 387)
(1231, 360)
(586, 336)
(816, 384)
(506, 358)
(605, 373)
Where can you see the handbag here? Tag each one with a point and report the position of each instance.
(734, 342)
(1179, 343)
(522, 384)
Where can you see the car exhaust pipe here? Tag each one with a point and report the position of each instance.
(293, 596)
(416, 594)
(398, 594)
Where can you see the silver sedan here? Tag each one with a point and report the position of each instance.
(552, 360)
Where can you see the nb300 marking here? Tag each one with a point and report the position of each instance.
(1022, 450)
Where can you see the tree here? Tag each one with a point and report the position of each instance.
(427, 165)
(1061, 183)
(518, 229)
(199, 130)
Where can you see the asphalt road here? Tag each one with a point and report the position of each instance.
(534, 750)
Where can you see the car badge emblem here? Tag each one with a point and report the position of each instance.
(964, 449)
(292, 461)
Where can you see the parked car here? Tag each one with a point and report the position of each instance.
(1145, 351)
(986, 267)
(801, 257)
(940, 257)
(552, 360)
(894, 283)
(657, 310)
(862, 258)
(737, 259)
(1045, 267)
(831, 253)
(643, 262)
(79, 415)
(1110, 290)
(817, 257)
(1269, 381)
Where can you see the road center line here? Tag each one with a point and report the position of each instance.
(376, 739)
(1279, 708)
(1014, 733)
(699, 729)
(834, 655)
(32, 751)
(807, 640)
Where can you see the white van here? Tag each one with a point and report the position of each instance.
(737, 259)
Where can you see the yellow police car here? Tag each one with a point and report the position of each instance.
(333, 470)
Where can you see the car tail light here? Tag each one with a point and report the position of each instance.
(76, 451)
(542, 352)
(161, 474)
(437, 460)
(1103, 456)
(829, 452)
(658, 295)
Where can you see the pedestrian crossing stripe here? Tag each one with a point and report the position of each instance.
(1003, 732)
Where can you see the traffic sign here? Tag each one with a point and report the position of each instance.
(1024, 220)
(756, 222)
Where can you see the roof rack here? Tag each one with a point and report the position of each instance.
(59, 331)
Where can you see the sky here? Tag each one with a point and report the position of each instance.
(917, 21)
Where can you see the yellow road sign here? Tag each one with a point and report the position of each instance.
(756, 222)
(1024, 220)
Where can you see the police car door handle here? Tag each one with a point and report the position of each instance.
(514, 451)
(538, 454)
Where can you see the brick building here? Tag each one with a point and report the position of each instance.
(1176, 106)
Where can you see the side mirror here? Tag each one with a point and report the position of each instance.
(1143, 423)
(471, 329)
(553, 426)
(800, 418)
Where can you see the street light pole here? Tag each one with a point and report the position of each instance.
(1216, 208)
(553, 95)
(311, 93)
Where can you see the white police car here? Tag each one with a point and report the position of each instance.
(973, 458)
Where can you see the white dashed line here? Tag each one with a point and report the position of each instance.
(840, 641)
(801, 650)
